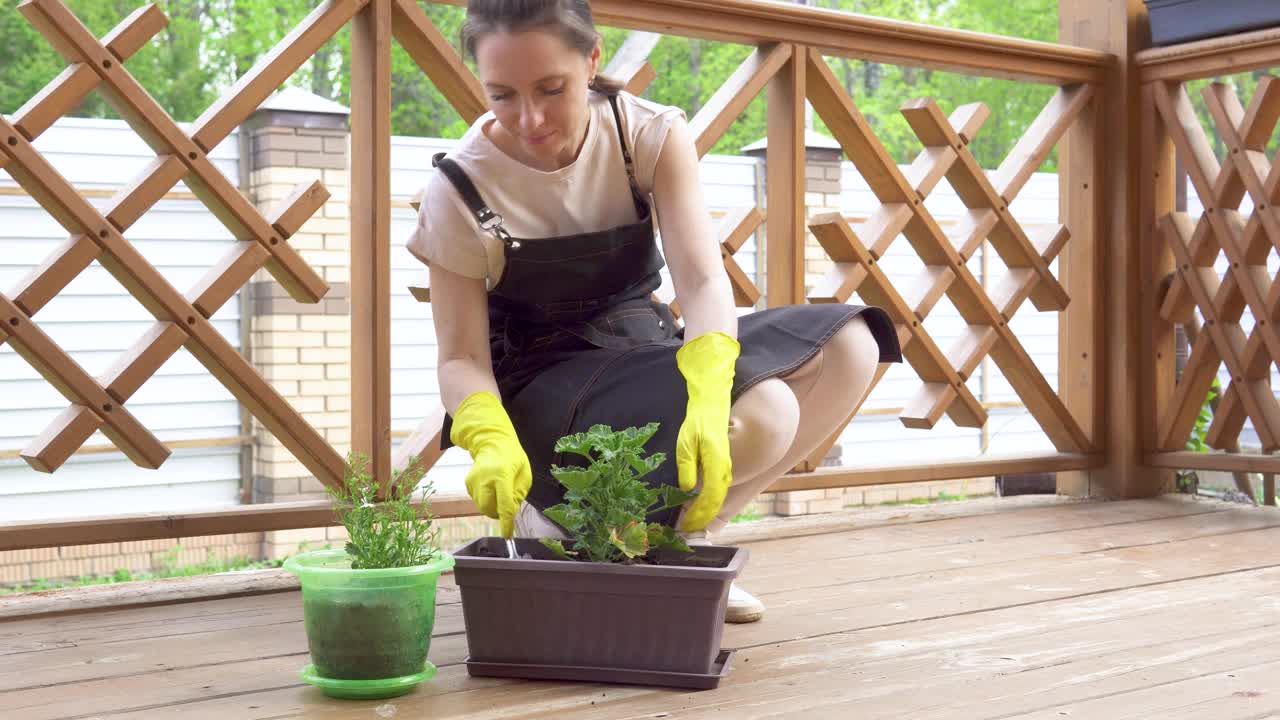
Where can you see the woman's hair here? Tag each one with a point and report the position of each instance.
(570, 19)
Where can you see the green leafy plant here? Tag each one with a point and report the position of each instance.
(1200, 432)
(605, 503)
(1187, 480)
(388, 533)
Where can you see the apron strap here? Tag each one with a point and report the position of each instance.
(489, 220)
(637, 197)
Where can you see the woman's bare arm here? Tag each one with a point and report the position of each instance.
(688, 239)
(460, 310)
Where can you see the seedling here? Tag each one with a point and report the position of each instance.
(605, 503)
(386, 534)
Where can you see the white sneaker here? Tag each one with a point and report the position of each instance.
(743, 606)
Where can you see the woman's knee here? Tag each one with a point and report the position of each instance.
(762, 426)
(851, 355)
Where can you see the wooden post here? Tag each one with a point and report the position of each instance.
(1107, 342)
(371, 236)
(784, 178)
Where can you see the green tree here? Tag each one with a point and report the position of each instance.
(208, 44)
(169, 66)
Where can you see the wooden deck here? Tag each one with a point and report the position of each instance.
(1166, 608)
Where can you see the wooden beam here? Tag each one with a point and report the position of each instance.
(195, 523)
(732, 98)
(942, 384)
(423, 444)
(48, 279)
(733, 231)
(1110, 322)
(978, 193)
(79, 388)
(64, 92)
(198, 443)
(785, 181)
(1034, 146)
(863, 37)
(1237, 52)
(163, 339)
(120, 258)
(824, 478)
(435, 55)
(1177, 417)
(371, 237)
(1252, 379)
(1082, 207)
(850, 128)
(630, 62)
(1264, 112)
(1225, 462)
(272, 70)
(290, 214)
(971, 300)
(162, 134)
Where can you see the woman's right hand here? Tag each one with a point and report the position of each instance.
(500, 475)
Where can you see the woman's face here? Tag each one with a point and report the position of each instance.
(537, 89)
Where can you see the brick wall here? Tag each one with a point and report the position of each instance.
(302, 349)
(821, 195)
(18, 567)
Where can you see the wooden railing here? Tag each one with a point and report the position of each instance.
(788, 63)
(1181, 277)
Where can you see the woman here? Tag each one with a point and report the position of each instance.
(540, 242)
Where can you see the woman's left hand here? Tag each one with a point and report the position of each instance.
(707, 363)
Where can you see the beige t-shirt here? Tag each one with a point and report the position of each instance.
(590, 194)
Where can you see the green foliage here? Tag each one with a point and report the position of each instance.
(385, 534)
(1197, 442)
(1188, 481)
(209, 44)
(170, 568)
(606, 502)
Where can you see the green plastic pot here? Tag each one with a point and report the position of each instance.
(369, 631)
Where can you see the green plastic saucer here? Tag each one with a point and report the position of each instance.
(367, 689)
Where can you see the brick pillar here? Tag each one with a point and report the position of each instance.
(823, 158)
(821, 195)
(303, 350)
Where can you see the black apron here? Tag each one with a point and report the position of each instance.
(578, 340)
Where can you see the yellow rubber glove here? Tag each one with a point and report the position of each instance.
(500, 476)
(707, 363)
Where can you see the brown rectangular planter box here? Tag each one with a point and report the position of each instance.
(547, 618)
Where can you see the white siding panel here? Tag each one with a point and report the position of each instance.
(101, 485)
(95, 320)
(81, 148)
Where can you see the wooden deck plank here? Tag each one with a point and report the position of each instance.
(1230, 694)
(1065, 591)
(18, 636)
(973, 554)
(1043, 521)
(1111, 633)
(987, 664)
(945, 544)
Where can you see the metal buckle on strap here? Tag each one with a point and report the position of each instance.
(491, 222)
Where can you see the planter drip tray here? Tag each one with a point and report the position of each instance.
(616, 676)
